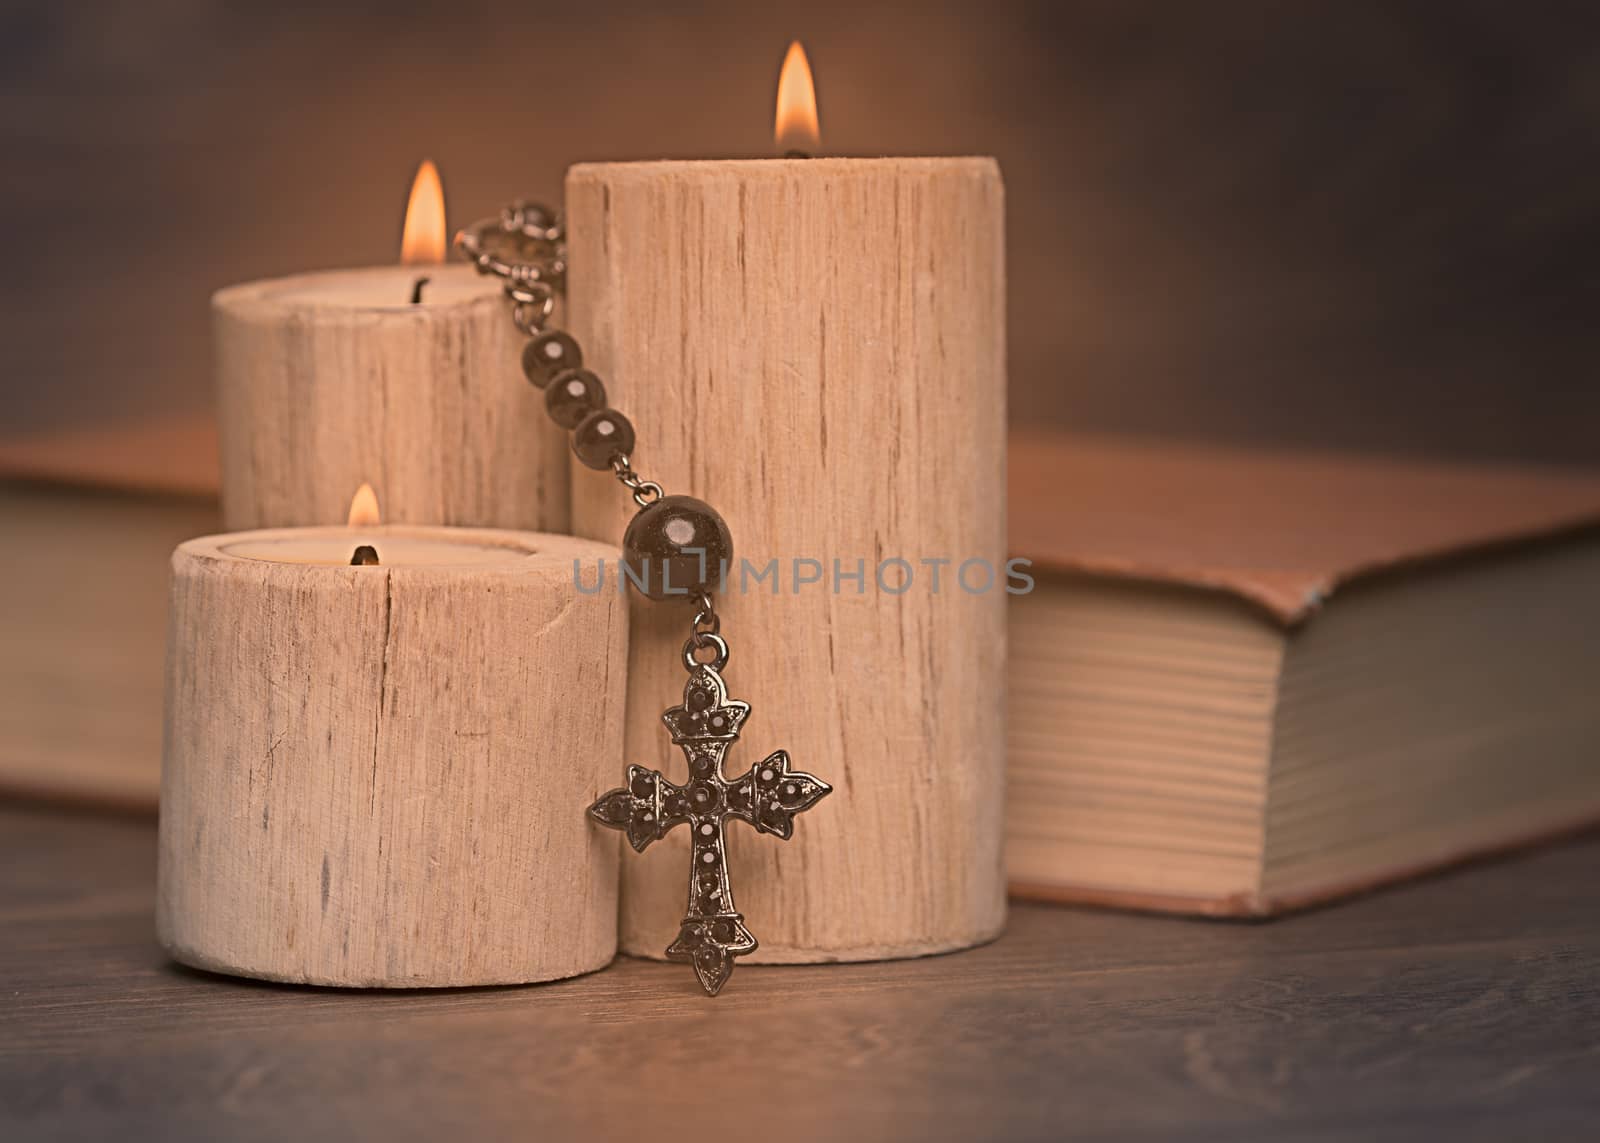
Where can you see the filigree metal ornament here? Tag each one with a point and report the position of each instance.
(524, 243)
(768, 796)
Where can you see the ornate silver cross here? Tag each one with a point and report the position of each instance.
(768, 796)
(525, 248)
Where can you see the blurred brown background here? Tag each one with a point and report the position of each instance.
(1371, 225)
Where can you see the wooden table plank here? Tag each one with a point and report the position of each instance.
(1466, 1006)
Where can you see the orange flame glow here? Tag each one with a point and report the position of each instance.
(423, 239)
(364, 508)
(795, 128)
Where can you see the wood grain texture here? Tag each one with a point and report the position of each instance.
(376, 776)
(321, 388)
(1462, 1008)
(817, 348)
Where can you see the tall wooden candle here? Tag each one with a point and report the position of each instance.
(375, 776)
(817, 348)
(328, 380)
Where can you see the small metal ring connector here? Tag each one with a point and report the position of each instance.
(530, 312)
(698, 642)
(647, 493)
(706, 619)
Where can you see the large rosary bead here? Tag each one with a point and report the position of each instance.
(572, 396)
(602, 437)
(548, 354)
(676, 547)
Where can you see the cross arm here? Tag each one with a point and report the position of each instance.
(769, 795)
(646, 808)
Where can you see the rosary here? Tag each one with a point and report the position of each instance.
(690, 545)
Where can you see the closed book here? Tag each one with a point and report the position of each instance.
(90, 518)
(1249, 681)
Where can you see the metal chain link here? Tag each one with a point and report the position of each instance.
(532, 303)
(645, 492)
(706, 619)
(705, 631)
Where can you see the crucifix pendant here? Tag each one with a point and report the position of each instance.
(687, 544)
(767, 796)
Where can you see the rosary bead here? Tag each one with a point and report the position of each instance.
(548, 354)
(572, 396)
(676, 547)
(601, 437)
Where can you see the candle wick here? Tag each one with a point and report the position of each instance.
(416, 290)
(365, 556)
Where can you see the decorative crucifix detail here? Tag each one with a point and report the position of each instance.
(768, 796)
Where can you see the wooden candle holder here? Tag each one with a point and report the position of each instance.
(377, 776)
(817, 348)
(328, 381)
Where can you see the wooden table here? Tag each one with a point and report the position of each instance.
(1464, 1007)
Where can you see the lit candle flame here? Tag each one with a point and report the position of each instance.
(423, 239)
(364, 508)
(795, 128)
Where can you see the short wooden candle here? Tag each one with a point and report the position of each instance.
(817, 348)
(326, 381)
(376, 776)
